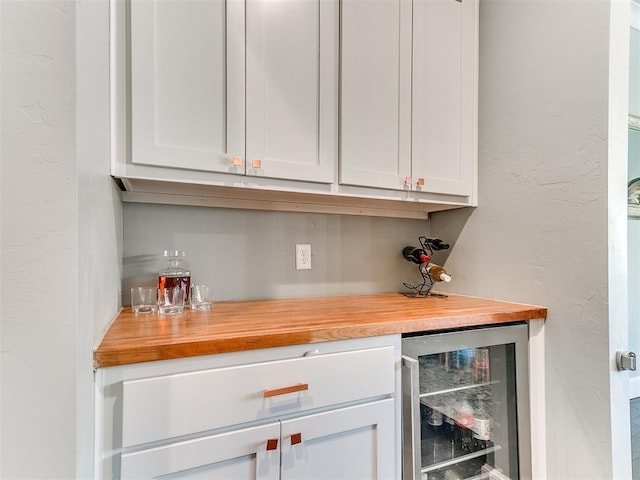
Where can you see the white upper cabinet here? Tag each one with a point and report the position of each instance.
(409, 95)
(443, 140)
(375, 93)
(365, 107)
(188, 86)
(292, 72)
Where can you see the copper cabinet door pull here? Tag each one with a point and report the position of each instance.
(281, 391)
(272, 444)
(296, 438)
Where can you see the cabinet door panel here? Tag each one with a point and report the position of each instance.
(292, 88)
(376, 93)
(354, 442)
(444, 86)
(241, 454)
(187, 83)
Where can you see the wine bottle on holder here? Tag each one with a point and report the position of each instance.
(416, 255)
(436, 272)
(437, 244)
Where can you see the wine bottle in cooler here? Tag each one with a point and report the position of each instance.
(481, 422)
(451, 430)
(481, 365)
(464, 418)
(440, 437)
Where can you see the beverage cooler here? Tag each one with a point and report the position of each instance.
(465, 404)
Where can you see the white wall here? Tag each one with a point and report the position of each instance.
(60, 232)
(541, 231)
(539, 236)
(99, 207)
(39, 240)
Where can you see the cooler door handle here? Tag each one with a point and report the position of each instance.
(412, 461)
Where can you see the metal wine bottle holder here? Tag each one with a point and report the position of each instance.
(423, 289)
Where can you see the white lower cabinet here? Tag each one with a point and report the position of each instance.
(321, 411)
(239, 454)
(355, 442)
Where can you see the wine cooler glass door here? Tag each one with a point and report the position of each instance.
(465, 410)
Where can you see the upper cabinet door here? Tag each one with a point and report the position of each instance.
(292, 82)
(444, 123)
(187, 84)
(375, 112)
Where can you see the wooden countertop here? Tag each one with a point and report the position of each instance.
(247, 325)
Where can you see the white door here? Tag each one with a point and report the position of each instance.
(355, 442)
(375, 130)
(618, 260)
(246, 454)
(633, 224)
(187, 84)
(443, 140)
(292, 89)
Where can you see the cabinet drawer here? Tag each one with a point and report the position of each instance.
(173, 405)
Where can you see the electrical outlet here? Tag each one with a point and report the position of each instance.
(303, 257)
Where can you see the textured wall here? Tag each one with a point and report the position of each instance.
(249, 254)
(540, 234)
(99, 210)
(38, 240)
(60, 232)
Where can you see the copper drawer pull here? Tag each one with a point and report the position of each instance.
(296, 438)
(420, 182)
(281, 391)
(237, 161)
(256, 163)
(272, 444)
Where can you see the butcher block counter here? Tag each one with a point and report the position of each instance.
(248, 325)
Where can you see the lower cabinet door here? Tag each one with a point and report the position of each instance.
(353, 442)
(250, 453)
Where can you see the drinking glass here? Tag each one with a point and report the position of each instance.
(171, 300)
(144, 299)
(201, 297)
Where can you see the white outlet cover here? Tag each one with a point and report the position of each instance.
(303, 257)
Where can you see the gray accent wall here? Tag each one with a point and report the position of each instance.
(248, 254)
